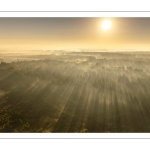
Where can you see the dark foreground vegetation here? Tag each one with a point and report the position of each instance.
(76, 92)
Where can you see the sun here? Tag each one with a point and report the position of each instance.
(106, 24)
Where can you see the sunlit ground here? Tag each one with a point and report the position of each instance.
(75, 92)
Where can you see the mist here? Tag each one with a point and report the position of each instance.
(74, 91)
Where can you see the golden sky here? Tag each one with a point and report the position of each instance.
(70, 33)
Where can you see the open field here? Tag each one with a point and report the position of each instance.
(75, 92)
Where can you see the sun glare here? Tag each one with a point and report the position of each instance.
(106, 24)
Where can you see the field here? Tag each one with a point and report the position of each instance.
(75, 92)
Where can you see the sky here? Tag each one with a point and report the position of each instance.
(74, 33)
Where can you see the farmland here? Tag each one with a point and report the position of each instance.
(75, 92)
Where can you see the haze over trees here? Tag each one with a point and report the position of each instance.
(76, 92)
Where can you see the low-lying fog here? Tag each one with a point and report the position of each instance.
(80, 91)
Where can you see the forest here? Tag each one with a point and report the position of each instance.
(68, 92)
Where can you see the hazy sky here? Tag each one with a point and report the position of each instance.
(72, 33)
